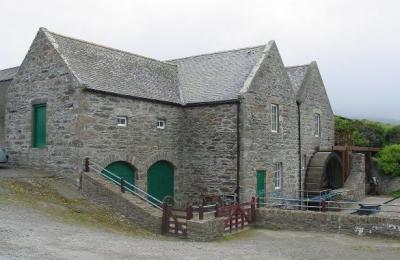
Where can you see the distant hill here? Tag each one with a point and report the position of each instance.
(379, 119)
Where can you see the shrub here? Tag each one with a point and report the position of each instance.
(393, 135)
(388, 160)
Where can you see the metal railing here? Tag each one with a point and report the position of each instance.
(123, 184)
(328, 205)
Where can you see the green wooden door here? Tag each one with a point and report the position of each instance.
(261, 186)
(160, 180)
(39, 126)
(122, 170)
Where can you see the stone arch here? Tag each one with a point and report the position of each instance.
(117, 156)
(159, 156)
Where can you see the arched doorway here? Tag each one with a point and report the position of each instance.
(160, 180)
(122, 170)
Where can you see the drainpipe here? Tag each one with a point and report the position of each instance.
(299, 143)
(238, 151)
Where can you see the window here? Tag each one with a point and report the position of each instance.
(278, 176)
(39, 125)
(274, 118)
(122, 121)
(317, 125)
(160, 123)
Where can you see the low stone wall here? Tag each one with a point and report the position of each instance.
(108, 194)
(205, 230)
(328, 222)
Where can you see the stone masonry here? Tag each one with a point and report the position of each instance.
(202, 99)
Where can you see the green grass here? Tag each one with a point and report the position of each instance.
(395, 193)
(41, 194)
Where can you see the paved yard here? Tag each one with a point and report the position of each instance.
(43, 219)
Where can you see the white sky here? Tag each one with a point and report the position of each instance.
(355, 42)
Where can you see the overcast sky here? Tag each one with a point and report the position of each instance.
(356, 43)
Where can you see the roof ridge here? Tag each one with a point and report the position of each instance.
(295, 66)
(106, 47)
(218, 52)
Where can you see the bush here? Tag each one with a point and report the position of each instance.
(388, 160)
(393, 135)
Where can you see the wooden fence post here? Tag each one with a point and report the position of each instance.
(201, 212)
(253, 209)
(258, 202)
(189, 212)
(86, 167)
(122, 185)
(164, 220)
(216, 210)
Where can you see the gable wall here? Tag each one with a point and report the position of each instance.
(315, 100)
(261, 148)
(3, 92)
(43, 77)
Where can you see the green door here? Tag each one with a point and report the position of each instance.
(122, 170)
(160, 180)
(261, 186)
(39, 126)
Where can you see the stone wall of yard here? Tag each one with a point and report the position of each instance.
(388, 184)
(372, 225)
(205, 230)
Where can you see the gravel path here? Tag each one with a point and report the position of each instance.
(28, 234)
(34, 230)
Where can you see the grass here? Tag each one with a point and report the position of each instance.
(395, 193)
(44, 196)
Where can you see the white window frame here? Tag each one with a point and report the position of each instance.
(278, 175)
(274, 118)
(161, 123)
(122, 121)
(317, 125)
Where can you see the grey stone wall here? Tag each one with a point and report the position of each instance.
(3, 101)
(260, 148)
(388, 184)
(371, 225)
(205, 230)
(43, 76)
(314, 100)
(209, 157)
(140, 143)
(355, 183)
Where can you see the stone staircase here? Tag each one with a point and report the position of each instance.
(98, 189)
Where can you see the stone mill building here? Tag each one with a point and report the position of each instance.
(217, 123)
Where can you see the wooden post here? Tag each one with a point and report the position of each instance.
(216, 210)
(164, 220)
(201, 212)
(189, 212)
(86, 168)
(122, 185)
(258, 202)
(236, 216)
(253, 209)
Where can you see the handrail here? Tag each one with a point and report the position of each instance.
(132, 188)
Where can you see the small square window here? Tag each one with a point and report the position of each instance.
(160, 123)
(122, 121)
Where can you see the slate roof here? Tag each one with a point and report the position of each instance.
(8, 74)
(296, 75)
(114, 71)
(216, 76)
